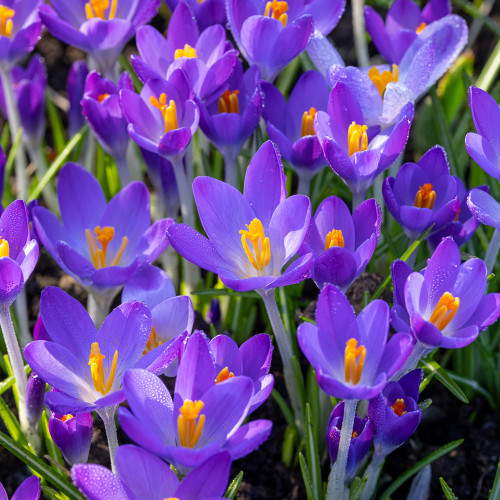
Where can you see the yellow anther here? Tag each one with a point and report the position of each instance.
(444, 311)
(334, 238)
(153, 341)
(4, 248)
(354, 359)
(228, 102)
(67, 417)
(354, 434)
(6, 24)
(381, 80)
(261, 254)
(421, 28)
(97, 370)
(101, 97)
(190, 430)
(357, 138)
(277, 10)
(224, 374)
(187, 51)
(97, 8)
(169, 112)
(399, 407)
(425, 197)
(307, 122)
(103, 237)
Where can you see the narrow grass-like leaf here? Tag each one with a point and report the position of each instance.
(39, 466)
(127, 66)
(312, 456)
(288, 446)
(473, 11)
(56, 165)
(224, 291)
(11, 158)
(56, 124)
(495, 490)
(12, 424)
(357, 487)
(419, 466)
(7, 383)
(448, 492)
(4, 138)
(306, 477)
(432, 367)
(491, 69)
(233, 488)
(297, 373)
(285, 409)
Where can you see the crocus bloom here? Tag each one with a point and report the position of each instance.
(444, 305)
(87, 365)
(356, 153)
(395, 412)
(75, 88)
(207, 58)
(101, 108)
(290, 125)
(205, 417)
(20, 29)
(143, 476)
(270, 34)
(251, 236)
(35, 395)
(99, 27)
(404, 23)
(361, 440)
(351, 355)
(29, 489)
(18, 252)
(342, 244)
(206, 12)
(72, 434)
(100, 244)
(423, 194)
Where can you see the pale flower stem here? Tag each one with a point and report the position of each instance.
(21, 308)
(304, 184)
(372, 473)
(419, 351)
(231, 169)
(108, 417)
(98, 308)
(492, 252)
(358, 27)
(123, 171)
(357, 199)
(336, 489)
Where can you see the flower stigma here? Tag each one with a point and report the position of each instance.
(228, 102)
(4, 248)
(190, 430)
(97, 370)
(169, 112)
(97, 8)
(187, 51)
(153, 341)
(357, 138)
(261, 254)
(399, 407)
(277, 10)
(354, 359)
(67, 417)
(334, 238)
(421, 28)
(444, 311)
(103, 236)
(101, 97)
(425, 197)
(6, 23)
(224, 374)
(380, 80)
(307, 122)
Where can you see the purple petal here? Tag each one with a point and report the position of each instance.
(483, 154)
(248, 438)
(484, 208)
(96, 482)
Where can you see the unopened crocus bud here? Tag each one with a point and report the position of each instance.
(362, 435)
(35, 394)
(213, 315)
(72, 435)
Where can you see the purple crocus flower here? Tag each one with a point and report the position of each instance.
(87, 365)
(29, 489)
(101, 245)
(361, 439)
(252, 359)
(290, 125)
(271, 34)
(404, 23)
(342, 244)
(444, 305)
(351, 355)
(35, 396)
(101, 108)
(20, 29)
(18, 252)
(205, 417)
(75, 88)
(72, 434)
(206, 12)
(99, 27)
(356, 153)
(260, 231)
(135, 469)
(207, 58)
(423, 194)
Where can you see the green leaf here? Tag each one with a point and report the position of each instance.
(234, 486)
(312, 456)
(12, 424)
(11, 158)
(285, 409)
(448, 492)
(305, 476)
(223, 292)
(40, 467)
(56, 165)
(288, 447)
(419, 466)
(7, 383)
(52, 449)
(357, 487)
(495, 490)
(433, 368)
(56, 124)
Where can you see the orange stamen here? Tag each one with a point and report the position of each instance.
(334, 238)
(97, 8)
(101, 97)
(277, 10)
(261, 254)
(169, 112)
(357, 138)
(307, 122)
(354, 434)
(67, 417)
(224, 374)
(399, 407)
(380, 80)
(228, 102)
(4, 248)
(190, 430)
(103, 236)
(187, 51)
(6, 24)
(153, 341)
(444, 311)
(421, 28)
(425, 197)
(97, 369)
(354, 359)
